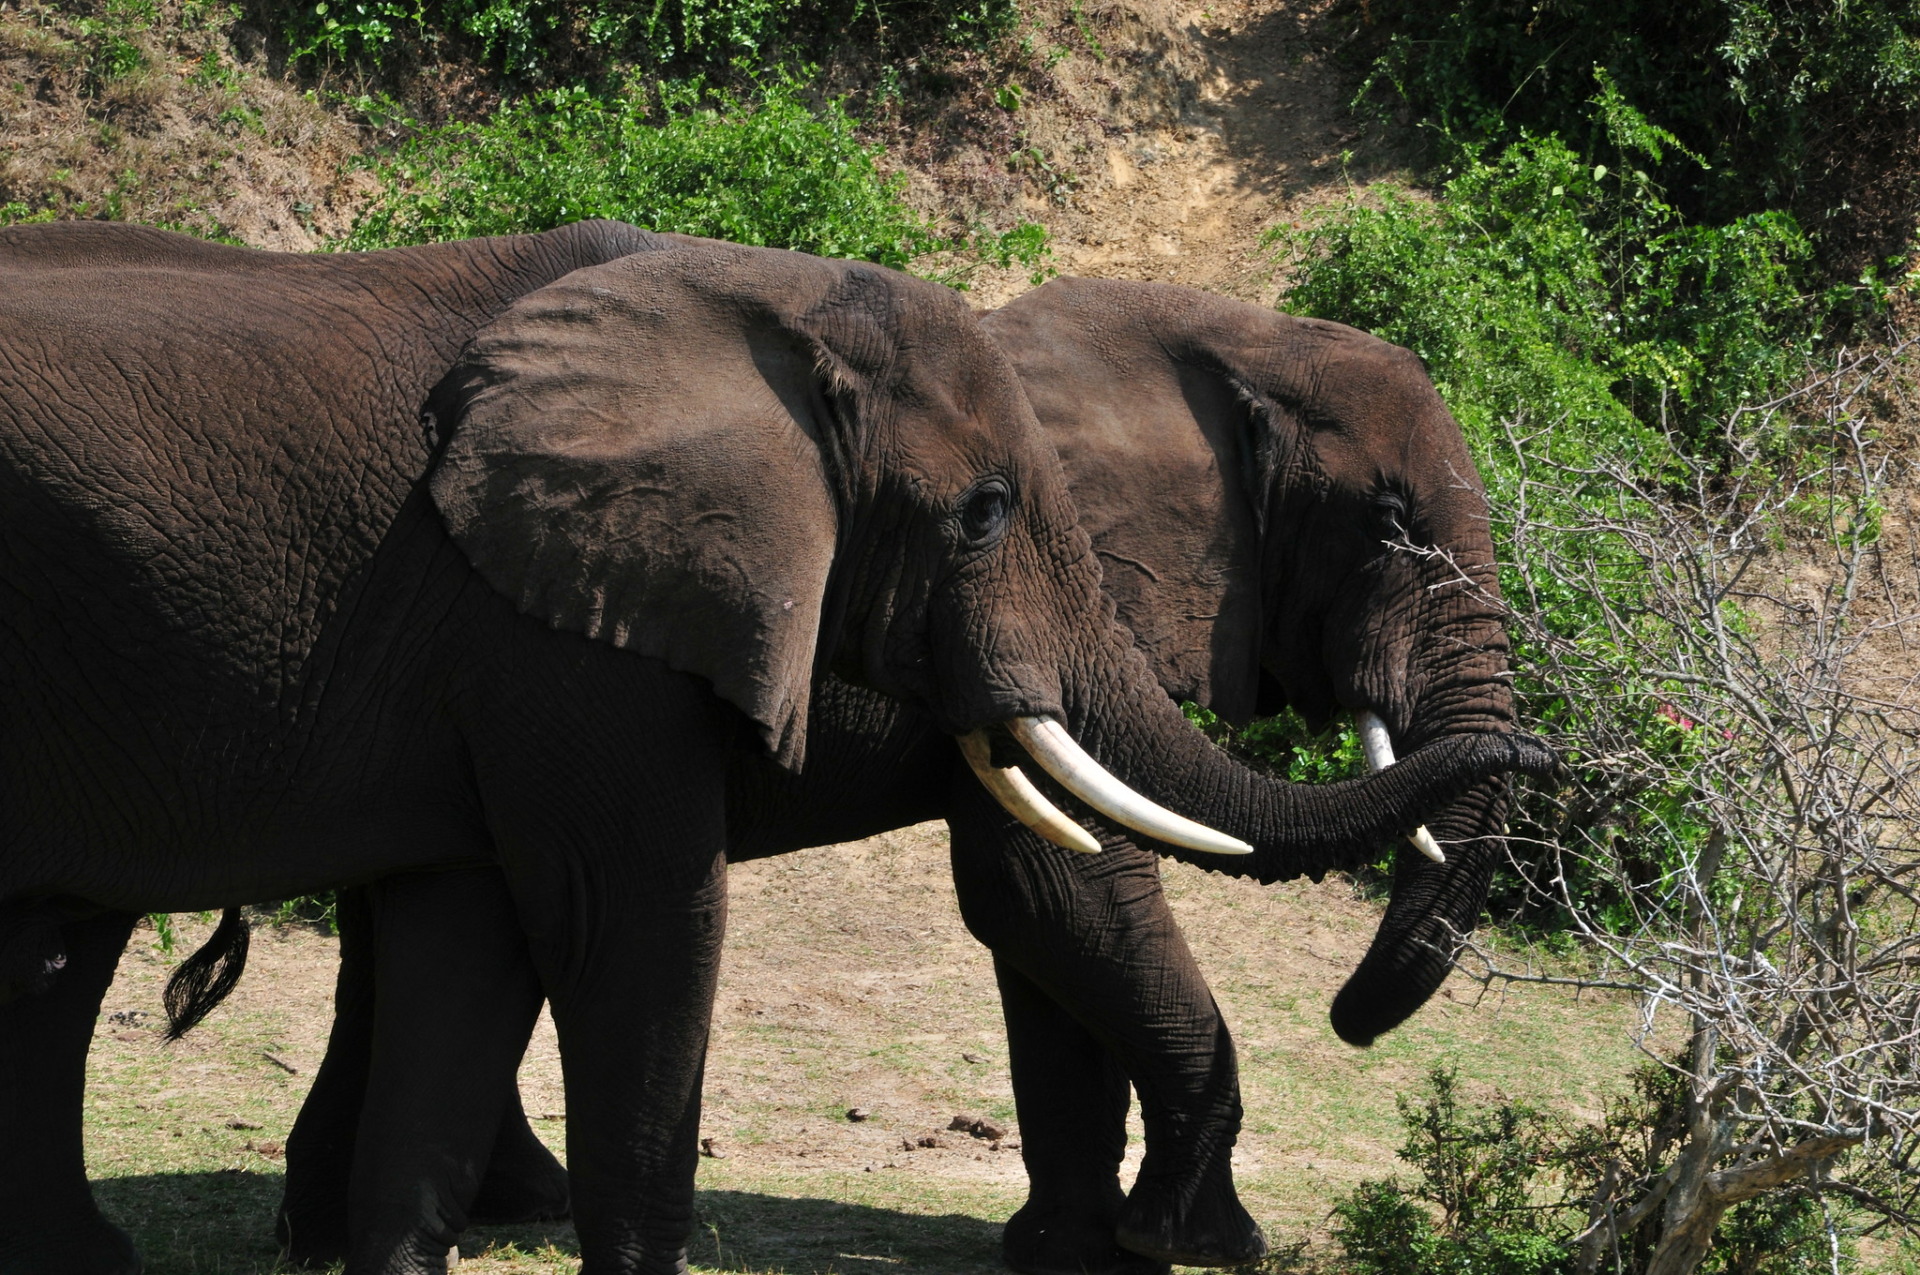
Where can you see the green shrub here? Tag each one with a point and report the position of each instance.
(1503, 1189)
(1565, 283)
(773, 172)
(1576, 321)
(1287, 746)
(1813, 108)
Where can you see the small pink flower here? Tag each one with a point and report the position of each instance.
(1673, 715)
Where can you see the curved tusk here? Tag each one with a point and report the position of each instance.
(1022, 800)
(1378, 746)
(1086, 779)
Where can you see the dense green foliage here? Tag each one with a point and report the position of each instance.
(544, 37)
(1809, 108)
(772, 172)
(1505, 1189)
(1566, 285)
(1573, 317)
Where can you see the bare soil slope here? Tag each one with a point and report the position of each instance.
(1155, 139)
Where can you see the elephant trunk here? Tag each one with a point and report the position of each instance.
(1434, 907)
(1462, 695)
(1295, 829)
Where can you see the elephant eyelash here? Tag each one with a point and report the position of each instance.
(1395, 519)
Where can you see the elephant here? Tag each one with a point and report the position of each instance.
(319, 571)
(1286, 514)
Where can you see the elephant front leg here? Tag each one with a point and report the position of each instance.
(1072, 1098)
(455, 999)
(633, 1019)
(49, 1224)
(1094, 934)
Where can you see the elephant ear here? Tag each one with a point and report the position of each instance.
(648, 452)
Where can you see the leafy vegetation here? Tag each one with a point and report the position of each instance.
(1810, 109)
(1565, 282)
(549, 38)
(773, 171)
(770, 171)
(1506, 1189)
(1571, 315)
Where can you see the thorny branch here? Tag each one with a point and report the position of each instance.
(1723, 654)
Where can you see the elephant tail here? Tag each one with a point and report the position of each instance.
(204, 979)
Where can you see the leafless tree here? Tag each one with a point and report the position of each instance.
(1726, 654)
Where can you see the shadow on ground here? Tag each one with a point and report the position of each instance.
(221, 1223)
(748, 1232)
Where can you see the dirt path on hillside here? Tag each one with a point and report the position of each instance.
(1195, 132)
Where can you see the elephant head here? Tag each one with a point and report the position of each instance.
(1287, 514)
(757, 466)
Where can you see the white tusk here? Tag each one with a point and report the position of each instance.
(1022, 800)
(1378, 746)
(1085, 778)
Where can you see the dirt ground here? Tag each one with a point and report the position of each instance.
(1170, 141)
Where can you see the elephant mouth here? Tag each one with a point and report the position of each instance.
(1377, 743)
(1049, 744)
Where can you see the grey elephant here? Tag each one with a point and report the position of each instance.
(1286, 514)
(267, 626)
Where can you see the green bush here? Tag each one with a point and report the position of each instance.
(773, 172)
(1503, 1189)
(1812, 108)
(1287, 746)
(1565, 283)
(1575, 320)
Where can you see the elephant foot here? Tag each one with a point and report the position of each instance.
(312, 1237)
(1190, 1223)
(1055, 1236)
(524, 1183)
(92, 1247)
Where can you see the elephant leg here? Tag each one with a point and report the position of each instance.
(455, 997)
(1095, 934)
(634, 1052)
(1072, 1096)
(312, 1222)
(49, 1224)
(523, 1182)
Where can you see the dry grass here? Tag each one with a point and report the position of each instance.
(849, 981)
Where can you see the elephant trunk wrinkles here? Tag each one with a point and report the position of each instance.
(1433, 908)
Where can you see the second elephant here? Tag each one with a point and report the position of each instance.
(1285, 514)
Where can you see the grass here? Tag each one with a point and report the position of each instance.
(849, 981)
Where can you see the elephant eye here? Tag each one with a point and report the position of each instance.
(984, 512)
(1390, 515)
